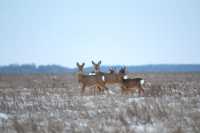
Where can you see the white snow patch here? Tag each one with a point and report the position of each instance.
(3, 116)
(79, 86)
(139, 99)
(111, 92)
(141, 128)
(92, 114)
(89, 104)
(83, 124)
(147, 128)
(88, 98)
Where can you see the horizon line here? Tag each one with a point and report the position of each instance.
(102, 65)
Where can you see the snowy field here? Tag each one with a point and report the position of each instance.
(52, 104)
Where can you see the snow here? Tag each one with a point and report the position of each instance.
(3, 116)
(147, 128)
(135, 99)
(111, 92)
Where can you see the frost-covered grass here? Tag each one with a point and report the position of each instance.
(171, 104)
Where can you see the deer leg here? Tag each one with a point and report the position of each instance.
(123, 90)
(98, 89)
(94, 90)
(129, 92)
(83, 89)
(134, 89)
(103, 86)
(141, 90)
(101, 89)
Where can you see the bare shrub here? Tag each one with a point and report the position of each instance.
(55, 126)
(170, 104)
(178, 130)
(19, 128)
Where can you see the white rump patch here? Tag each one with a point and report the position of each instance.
(142, 81)
(103, 78)
(125, 77)
(92, 73)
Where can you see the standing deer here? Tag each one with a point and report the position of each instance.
(113, 77)
(96, 66)
(109, 78)
(89, 80)
(127, 84)
(112, 70)
(130, 85)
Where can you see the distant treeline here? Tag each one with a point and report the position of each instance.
(33, 69)
(56, 69)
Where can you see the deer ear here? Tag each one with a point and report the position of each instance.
(99, 62)
(93, 62)
(83, 64)
(125, 68)
(77, 64)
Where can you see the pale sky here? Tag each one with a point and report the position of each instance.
(124, 32)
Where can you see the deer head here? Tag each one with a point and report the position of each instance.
(80, 67)
(123, 73)
(111, 70)
(96, 66)
(122, 70)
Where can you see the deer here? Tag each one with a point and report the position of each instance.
(112, 70)
(109, 78)
(97, 67)
(114, 77)
(126, 84)
(131, 84)
(89, 80)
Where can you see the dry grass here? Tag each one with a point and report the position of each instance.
(52, 104)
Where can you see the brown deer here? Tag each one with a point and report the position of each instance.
(96, 66)
(127, 84)
(109, 78)
(114, 77)
(112, 70)
(130, 85)
(89, 80)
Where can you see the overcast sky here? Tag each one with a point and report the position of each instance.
(126, 32)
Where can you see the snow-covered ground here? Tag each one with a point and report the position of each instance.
(167, 106)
